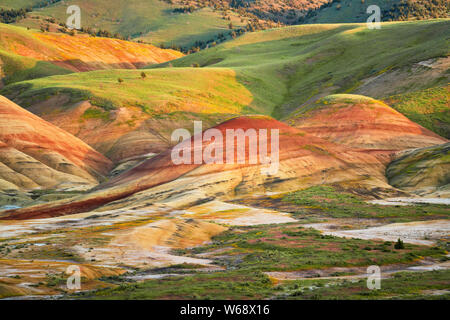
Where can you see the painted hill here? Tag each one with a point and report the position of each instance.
(361, 122)
(27, 54)
(36, 154)
(423, 171)
(305, 160)
(136, 117)
(269, 72)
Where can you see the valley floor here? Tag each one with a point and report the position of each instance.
(221, 250)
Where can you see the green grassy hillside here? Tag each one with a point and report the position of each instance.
(184, 23)
(137, 114)
(29, 54)
(429, 107)
(151, 20)
(17, 68)
(271, 72)
(18, 4)
(344, 11)
(347, 11)
(163, 91)
(287, 67)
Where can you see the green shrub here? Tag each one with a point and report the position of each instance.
(399, 244)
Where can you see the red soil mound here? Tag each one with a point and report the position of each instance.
(361, 122)
(81, 52)
(26, 138)
(303, 160)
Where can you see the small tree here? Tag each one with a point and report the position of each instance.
(120, 80)
(399, 244)
(143, 75)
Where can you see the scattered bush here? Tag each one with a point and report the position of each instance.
(399, 244)
(11, 16)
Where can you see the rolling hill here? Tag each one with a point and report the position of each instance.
(356, 114)
(361, 122)
(153, 21)
(27, 54)
(35, 154)
(272, 72)
(287, 67)
(18, 4)
(187, 23)
(305, 161)
(137, 116)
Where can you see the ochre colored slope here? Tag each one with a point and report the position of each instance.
(36, 153)
(174, 233)
(98, 53)
(81, 52)
(362, 122)
(304, 160)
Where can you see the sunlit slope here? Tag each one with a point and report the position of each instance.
(27, 54)
(150, 20)
(272, 72)
(304, 160)
(138, 115)
(286, 67)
